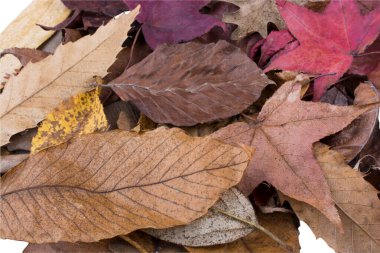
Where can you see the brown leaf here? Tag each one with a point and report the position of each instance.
(186, 84)
(25, 55)
(115, 110)
(284, 133)
(351, 140)
(357, 203)
(22, 141)
(215, 227)
(141, 241)
(102, 185)
(41, 86)
(280, 224)
(10, 161)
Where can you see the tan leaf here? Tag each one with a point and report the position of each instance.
(41, 86)
(280, 224)
(107, 184)
(23, 31)
(81, 114)
(215, 227)
(10, 161)
(79, 247)
(141, 241)
(358, 205)
(121, 115)
(283, 134)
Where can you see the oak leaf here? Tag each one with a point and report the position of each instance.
(106, 184)
(41, 86)
(183, 22)
(215, 227)
(320, 52)
(357, 203)
(284, 133)
(194, 84)
(81, 114)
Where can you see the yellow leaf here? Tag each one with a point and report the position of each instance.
(81, 114)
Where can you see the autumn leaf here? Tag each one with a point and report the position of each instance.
(215, 227)
(320, 52)
(284, 133)
(45, 84)
(110, 8)
(25, 55)
(112, 183)
(183, 22)
(357, 202)
(81, 114)
(193, 84)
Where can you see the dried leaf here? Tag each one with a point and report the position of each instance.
(193, 84)
(116, 121)
(351, 140)
(22, 141)
(253, 16)
(41, 86)
(81, 114)
(357, 203)
(280, 224)
(10, 161)
(141, 241)
(284, 133)
(112, 183)
(110, 8)
(215, 227)
(25, 55)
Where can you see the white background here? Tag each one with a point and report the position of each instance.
(9, 9)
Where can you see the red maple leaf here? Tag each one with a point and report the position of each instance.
(329, 41)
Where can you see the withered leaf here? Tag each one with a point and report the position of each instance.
(107, 184)
(351, 140)
(192, 83)
(284, 133)
(357, 203)
(25, 55)
(41, 86)
(280, 224)
(10, 161)
(215, 227)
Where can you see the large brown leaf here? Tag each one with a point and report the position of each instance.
(102, 185)
(42, 86)
(284, 133)
(358, 205)
(186, 84)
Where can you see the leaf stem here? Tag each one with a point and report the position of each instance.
(259, 227)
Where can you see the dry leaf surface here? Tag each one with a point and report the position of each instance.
(215, 227)
(41, 86)
(357, 203)
(284, 133)
(101, 185)
(192, 83)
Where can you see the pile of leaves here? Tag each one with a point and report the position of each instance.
(191, 126)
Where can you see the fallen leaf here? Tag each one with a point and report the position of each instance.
(374, 76)
(253, 16)
(25, 55)
(41, 86)
(215, 227)
(10, 161)
(121, 115)
(110, 8)
(107, 184)
(351, 140)
(284, 133)
(367, 62)
(194, 83)
(319, 52)
(183, 22)
(280, 224)
(357, 203)
(22, 141)
(141, 241)
(81, 114)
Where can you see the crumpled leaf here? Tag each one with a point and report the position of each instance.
(41, 86)
(357, 203)
(280, 224)
(194, 83)
(351, 140)
(319, 52)
(81, 114)
(112, 183)
(253, 16)
(284, 133)
(25, 55)
(215, 227)
(183, 22)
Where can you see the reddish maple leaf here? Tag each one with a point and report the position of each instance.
(168, 21)
(328, 41)
(283, 135)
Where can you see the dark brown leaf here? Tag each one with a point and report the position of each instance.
(25, 55)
